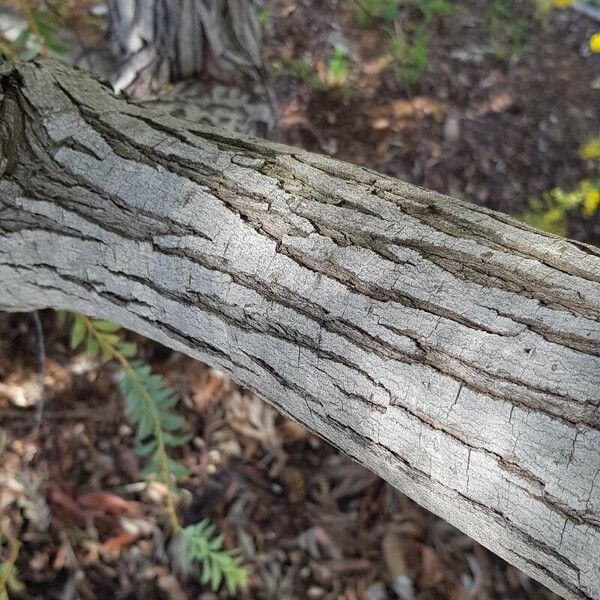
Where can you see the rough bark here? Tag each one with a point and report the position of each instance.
(170, 40)
(450, 349)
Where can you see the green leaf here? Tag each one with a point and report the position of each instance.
(133, 402)
(149, 401)
(170, 421)
(145, 425)
(126, 385)
(216, 578)
(146, 449)
(206, 571)
(13, 583)
(44, 20)
(31, 52)
(141, 369)
(217, 565)
(110, 339)
(127, 349)
(176, 440)
(177, 470)
(54, 45)
(216, 543)
(77, 332)
(22, 38)
(91, 348)
(105, 326)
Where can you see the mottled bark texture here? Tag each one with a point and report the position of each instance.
(450, 349)
(169, 40)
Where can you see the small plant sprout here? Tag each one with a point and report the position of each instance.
(339, 68)
(202, 545)
(408, 25)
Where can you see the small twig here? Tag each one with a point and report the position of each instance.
(41, 362)
(79, 581)
(94, 413)
(7, 566)
(586, 9)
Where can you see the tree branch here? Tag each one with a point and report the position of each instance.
(449, 348)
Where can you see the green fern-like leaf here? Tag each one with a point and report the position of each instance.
(149, 403)
(78, 332)
(101, 337)
(39, 34)
(218, 565)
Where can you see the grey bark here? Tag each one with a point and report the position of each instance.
(450, 349)
(170, 40)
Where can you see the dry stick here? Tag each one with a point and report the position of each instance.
(41, 361)
(7, 566)
(592, 12)
(56, 415)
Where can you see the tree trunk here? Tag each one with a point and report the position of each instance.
(169, 40)
(449, 348)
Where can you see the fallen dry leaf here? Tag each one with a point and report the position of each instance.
(107, 502)
(292, 432)
(25, 392)
(376, 65)
(394, 556)
(348, 565)
(398, 114)
(115, 543)
(59, 497)
(499, 103)
(208, 386)
(431, 572)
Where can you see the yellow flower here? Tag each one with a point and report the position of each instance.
(591, 149)
(595, 42)
(591, 202)
(562, 3)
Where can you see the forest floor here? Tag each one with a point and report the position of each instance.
(501, 105)
(497, 115)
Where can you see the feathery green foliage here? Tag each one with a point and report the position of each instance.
(218, 565)
(151, 404)
(101, 337)
(40, 32)
(148, 401)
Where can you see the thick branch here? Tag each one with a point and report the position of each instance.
(450, 349)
